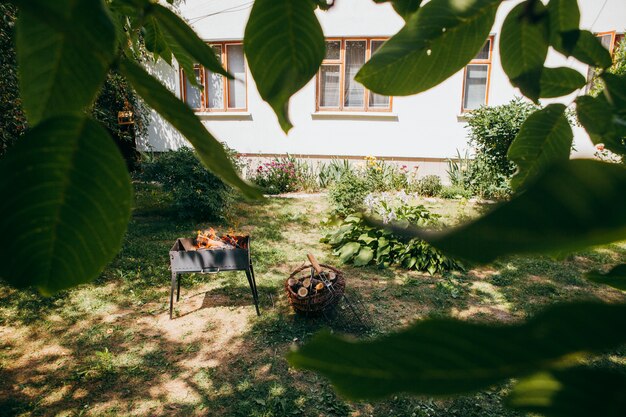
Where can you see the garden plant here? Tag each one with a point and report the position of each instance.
(555, 209)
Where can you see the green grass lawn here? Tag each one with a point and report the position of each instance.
(109, 349)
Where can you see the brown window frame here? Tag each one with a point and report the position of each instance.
(613, 37)
(342, 77)
(488, 62)
(225, 82)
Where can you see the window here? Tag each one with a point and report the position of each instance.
(476, 78)
(220, 93)
(336, 88)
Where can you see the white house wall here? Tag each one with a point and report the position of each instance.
(424, 127)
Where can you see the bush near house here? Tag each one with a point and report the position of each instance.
(429, 186)
(491, 131)
(347, 194)
(196, 192)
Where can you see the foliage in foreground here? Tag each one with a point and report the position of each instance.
(491, 130)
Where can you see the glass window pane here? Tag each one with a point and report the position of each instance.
(237, 67)
(354, 92)
(330, 81)
(475, 93)
(215, 84)
(483, 54)
(193, 95)
(333, 50)
(605, 40)
(377, 100)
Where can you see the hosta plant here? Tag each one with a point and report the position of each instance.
(360, 243)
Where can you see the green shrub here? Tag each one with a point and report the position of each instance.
(492, 129)
(277, 176)
(361, 244)
(196, 192)
(484, 182)
(429, 186)
(330, 173)
(458, 169)
(454, 191)
(347, 193)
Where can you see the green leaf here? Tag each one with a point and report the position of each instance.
(564, 21)
(365, 256)
(524, 46)
(366, 238)
(602, 123)
(590, 51)
(544, 138)
(65, 209)
(558, 212)
(615, 278)
(404, 8)
(436, 42)
(557, 82)
(211, 152)
(615, 90)
(64, 50)
(284, 44)
(187, 39)
(155, 41)
(445, 356)
(595, 116)
(347, 251)
(576, 392)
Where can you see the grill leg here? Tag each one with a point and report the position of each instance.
(253, 289)
(174, 284)
(178, 280)
(256, 292)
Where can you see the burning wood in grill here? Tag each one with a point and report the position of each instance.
(209, 239)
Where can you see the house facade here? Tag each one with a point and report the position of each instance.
(334, 116)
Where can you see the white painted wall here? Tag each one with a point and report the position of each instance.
(426, 125)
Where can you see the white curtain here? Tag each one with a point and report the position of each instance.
(475, 86)
(355, 58)
(237, 67)
(193, 95)
(377, 100)
(215, 84)
(330, 79)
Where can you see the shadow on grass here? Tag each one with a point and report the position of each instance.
(109, 349)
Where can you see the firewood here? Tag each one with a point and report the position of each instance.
(332, 276)
(303, 292)
(292, 282)
(306, 283)
(314, 263)
(319, 287)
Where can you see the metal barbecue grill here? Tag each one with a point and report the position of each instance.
(185, 258)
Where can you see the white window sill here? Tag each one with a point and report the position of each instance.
(225, 115)
(354, 115)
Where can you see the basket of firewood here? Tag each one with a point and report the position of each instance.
(314, 288)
